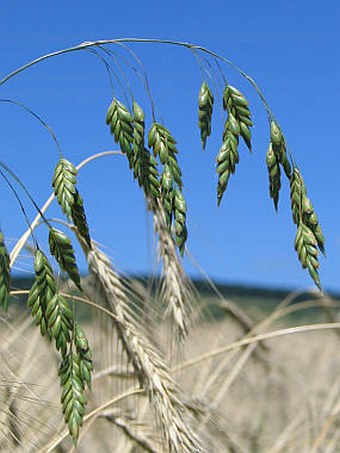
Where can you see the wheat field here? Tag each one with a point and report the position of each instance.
(274, 393)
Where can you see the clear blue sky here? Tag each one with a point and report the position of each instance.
(291, 49)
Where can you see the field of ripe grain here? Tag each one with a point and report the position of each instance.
(249, 381)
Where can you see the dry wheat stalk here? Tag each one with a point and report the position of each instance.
(150, 369)
(176, 292)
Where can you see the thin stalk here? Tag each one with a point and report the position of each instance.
(22, 241)
(38, 118)
(94, 413)
(255, 339)
(187, 45)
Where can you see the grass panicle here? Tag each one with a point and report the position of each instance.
(61, 248)
(64, 184)
(238, 124)
(5, 274)
(205, 110)
(309, 236)
(120, 121)
(150, 369)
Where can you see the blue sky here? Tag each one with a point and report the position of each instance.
(290, 49)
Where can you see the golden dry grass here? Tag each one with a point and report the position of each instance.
(280, 395)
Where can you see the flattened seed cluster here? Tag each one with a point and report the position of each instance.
(164, 146)
(238, 124)
(276, 157)
(144, 164)
(205, 110)
(309, 237)
(56, 319)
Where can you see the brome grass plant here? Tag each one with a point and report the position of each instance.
(167, 395)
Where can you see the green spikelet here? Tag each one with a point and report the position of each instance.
(73, 397)
(42, 291)
(120, 121)
(297, 190)
(38, 308)
(238, 124)
(309, 236)
(5, 274)
(79, 219)
(180, 220)
(167, 191)
(274, 175)
(276, 158)
(236, 104)
(44, 277)
(164, 146)
(64, 182)
(61, 248)
(205, 109)
(306, 247)
(144, 164)
(60, 322)
(228, 156)
(85, 355)
(279, 147)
